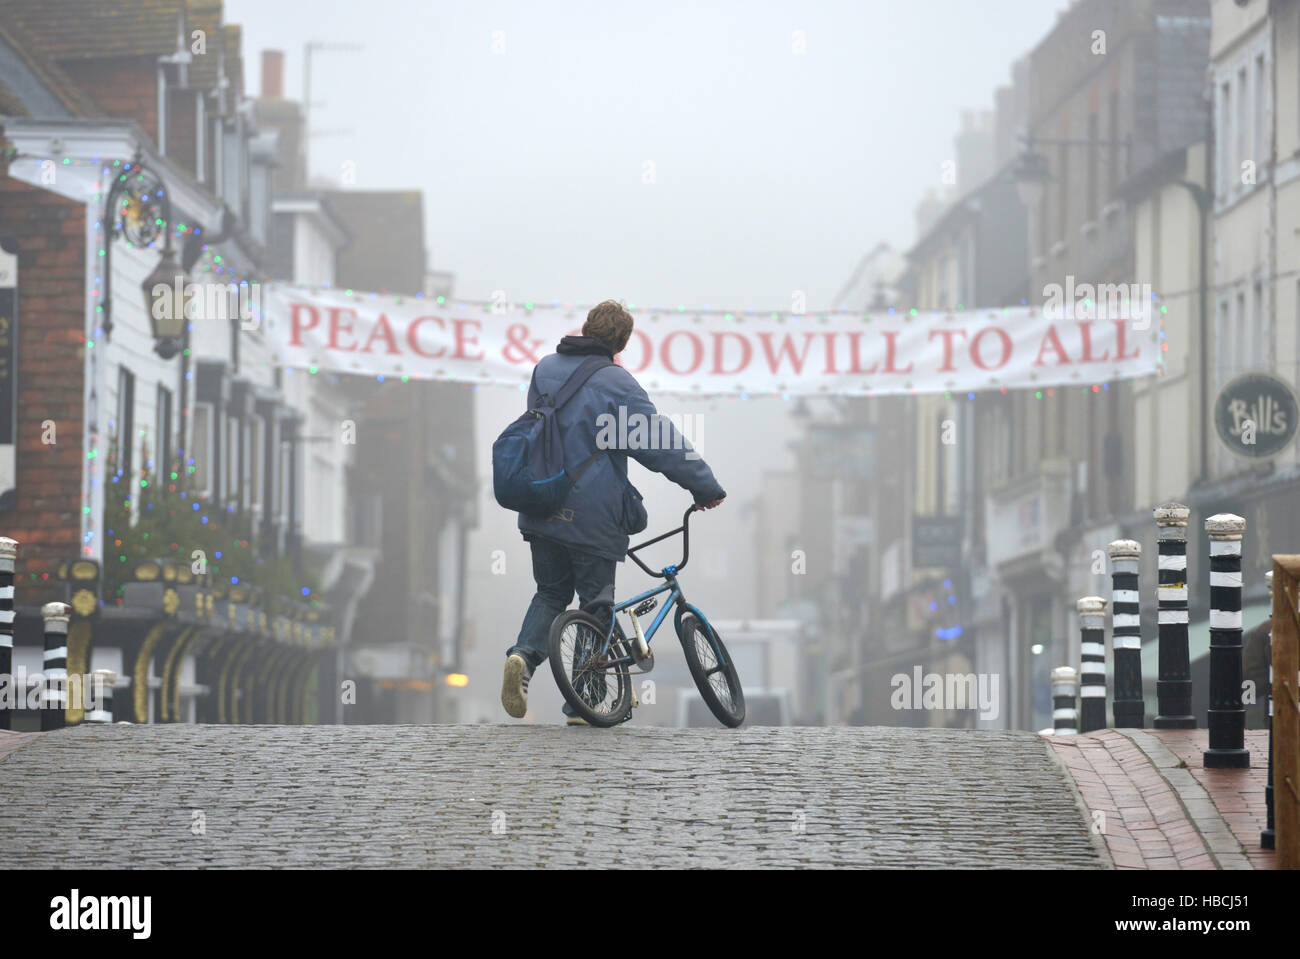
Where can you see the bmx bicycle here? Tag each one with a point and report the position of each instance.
(592, 661)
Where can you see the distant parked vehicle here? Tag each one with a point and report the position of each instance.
(770, 654)
(763, 707)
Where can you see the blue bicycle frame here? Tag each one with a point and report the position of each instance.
(676, 599)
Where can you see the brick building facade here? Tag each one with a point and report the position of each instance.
(47, 232)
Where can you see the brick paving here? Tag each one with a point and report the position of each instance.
(502, 796)
(1238, 794)
(1155, 806)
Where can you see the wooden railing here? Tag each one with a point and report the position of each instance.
(1286, 709)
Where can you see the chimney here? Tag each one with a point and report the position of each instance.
(273, 74)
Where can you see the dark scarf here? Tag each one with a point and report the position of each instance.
(583, 346)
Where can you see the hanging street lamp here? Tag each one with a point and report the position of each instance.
(138, 209)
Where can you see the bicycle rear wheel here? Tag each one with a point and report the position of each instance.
(598, 689)
(713, 671)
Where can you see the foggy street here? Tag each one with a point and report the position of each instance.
(690, 435)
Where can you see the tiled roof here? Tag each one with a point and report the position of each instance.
(48, 72)
(99, 29)
(233, 37)
(206, 16)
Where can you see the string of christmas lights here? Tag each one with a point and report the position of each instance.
(212, 262)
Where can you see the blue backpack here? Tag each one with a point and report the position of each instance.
(528, 473)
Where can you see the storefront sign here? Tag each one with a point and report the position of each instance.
(1256, 415)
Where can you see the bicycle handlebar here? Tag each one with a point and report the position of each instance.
(684, 529)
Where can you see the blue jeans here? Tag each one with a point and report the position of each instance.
(558, 571)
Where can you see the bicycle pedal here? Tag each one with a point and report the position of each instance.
(645, 607)
(635, 702)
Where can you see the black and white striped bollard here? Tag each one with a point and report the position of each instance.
(8, 559)
(54, 700)
(1267, 837)
(1092, 663)
(102, 681)
(1065, 707)
(1126, 633)
(1227, 714)
(1174, 679)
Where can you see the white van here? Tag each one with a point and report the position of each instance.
(763, 707)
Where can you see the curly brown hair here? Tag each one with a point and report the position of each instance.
(611, 323)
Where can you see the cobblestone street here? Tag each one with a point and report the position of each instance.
(525, 796)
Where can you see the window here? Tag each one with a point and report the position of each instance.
(125, 422)
(366, 521)
(323, 514)
(1224, 141)
(1240, 341)
(940, 467)
(1043, 242)
(1091, 210)
(232, 448)
(1041, 633)
(1002, 440)
(1225, 339)
(970, 291)
(1063, 192)
(1259, 347)
(275, 467)
(1112, 117)
(283, 498)
(1263, 148)
(201, 447)
(256, 437)
(163, 432)
(1242, 124)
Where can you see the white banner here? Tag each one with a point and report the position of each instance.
(709, 353)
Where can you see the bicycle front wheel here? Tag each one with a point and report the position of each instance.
(597, 686)
(713, 671)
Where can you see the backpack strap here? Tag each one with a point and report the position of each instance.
(579, 377)
(577, 474)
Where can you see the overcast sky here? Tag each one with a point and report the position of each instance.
(772, 171)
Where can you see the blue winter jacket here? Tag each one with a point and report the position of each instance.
(603, 508)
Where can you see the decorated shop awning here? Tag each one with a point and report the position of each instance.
(711, 352)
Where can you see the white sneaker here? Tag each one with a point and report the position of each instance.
(514, 686)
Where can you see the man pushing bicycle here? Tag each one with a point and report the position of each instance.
(576, 545)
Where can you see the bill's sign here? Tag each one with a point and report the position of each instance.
(1256, 415)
